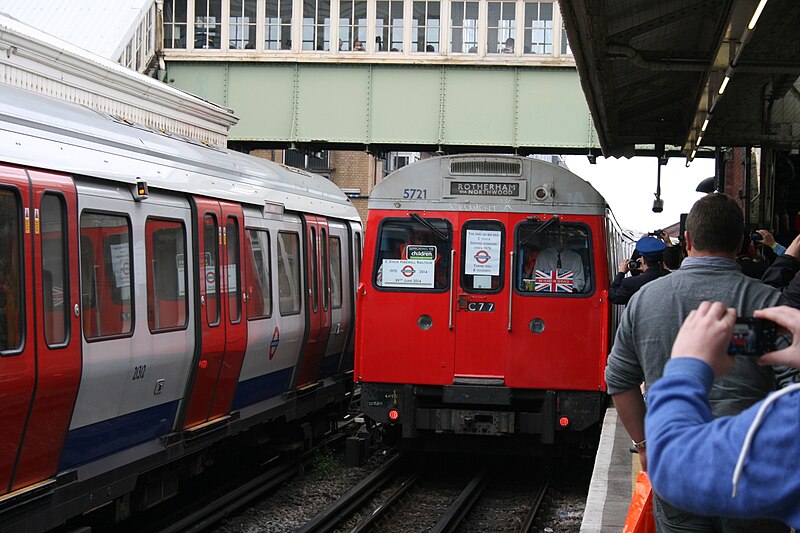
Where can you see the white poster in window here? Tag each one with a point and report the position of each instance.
(408, 273)
(232, 287)
(482, 255)
(179, 264)
(120, 264)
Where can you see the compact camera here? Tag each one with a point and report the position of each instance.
(634, 265)
(753, 337)
(756, 237)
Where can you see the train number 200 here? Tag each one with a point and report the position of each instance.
(415, 194)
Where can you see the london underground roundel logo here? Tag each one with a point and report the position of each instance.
(482, 257)
(408, 271)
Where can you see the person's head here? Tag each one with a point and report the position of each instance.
(673, 257)
(651, 250)
(714, 226)
(510, 43)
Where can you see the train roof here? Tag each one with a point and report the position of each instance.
(483, 182)
(42, 132)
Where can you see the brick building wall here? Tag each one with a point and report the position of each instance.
(735, 181)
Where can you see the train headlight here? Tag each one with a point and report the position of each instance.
(425, 322)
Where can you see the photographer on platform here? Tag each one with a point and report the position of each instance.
(650, 263)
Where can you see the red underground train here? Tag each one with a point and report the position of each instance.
(483, 310)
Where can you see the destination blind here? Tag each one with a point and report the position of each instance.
(484, 188)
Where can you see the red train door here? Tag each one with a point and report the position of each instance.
(39, 330)
(223, 332)
(482, 298)
(318, 310)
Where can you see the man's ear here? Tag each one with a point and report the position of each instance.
(688, 239)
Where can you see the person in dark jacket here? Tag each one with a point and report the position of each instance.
(651, 252)
(782, 273)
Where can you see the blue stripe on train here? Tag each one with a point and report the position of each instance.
(104, 438)
(262, 388)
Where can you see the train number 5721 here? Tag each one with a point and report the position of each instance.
(415, 194)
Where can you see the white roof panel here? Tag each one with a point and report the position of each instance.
(99, 26)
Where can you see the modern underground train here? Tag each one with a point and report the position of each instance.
(482, 310)
(158, 298)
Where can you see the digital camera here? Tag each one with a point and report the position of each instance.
(753, 337)
(634, 265)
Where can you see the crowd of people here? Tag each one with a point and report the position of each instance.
(713, 430)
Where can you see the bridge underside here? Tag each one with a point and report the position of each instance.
(381, 108)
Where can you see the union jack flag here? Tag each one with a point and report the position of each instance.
(553, 280)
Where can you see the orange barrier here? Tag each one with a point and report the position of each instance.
(640, 514)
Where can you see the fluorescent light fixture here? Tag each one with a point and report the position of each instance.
(694, 153)
(699, 140)
(752, 24)
(724, 85)
(705, 125)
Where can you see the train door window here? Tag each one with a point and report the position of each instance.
(55, 286)
(259, 286)
(413, 254)
(326, 282)
(483, 250)
(553, 257)
(11, 304)
(211, 261)
(106, 273)
(233, 271)
(357, 265)
(335, 255)
(313, 270)
(167, 300)
(289, 273)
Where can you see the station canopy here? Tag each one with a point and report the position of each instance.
(654, 72)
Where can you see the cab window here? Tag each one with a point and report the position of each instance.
(553, 258)
(483, 250)
(413, 254)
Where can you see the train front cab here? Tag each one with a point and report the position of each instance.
(482, 343)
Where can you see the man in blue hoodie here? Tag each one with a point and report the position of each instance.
(743, 466)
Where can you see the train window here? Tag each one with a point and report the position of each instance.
(289, 273)
(312, 271)
(259, 285)
(358, 247)
(55, 287)
(11, 303)
(335, 255)
(167, 299)
(483, 250)
(106, 273)
(211, 261)
(234, 271)
(553, 257)
(413, 254)
(326, 282)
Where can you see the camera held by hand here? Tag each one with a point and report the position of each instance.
(636, 264)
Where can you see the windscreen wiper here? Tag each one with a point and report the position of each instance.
(436, 231)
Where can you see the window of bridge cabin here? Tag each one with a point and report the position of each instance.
(289, 292)
(316, 25)
(389, 25)
(352, 24)
(553, 257)
(425, 26)
(167, 299)
(106, 274)
(11, 293)
(501, 26)
(259, 276)
(242, 27)
(55, 277)
(175, 24)
(566, 49)
(464, 27)
(278, 25)
(207, 24)
(539, 28)
(335, 255)
(412, 255)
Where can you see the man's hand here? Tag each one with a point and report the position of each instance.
(794, 248)
(788, 318)
(706, 335)
(623, 266)
(769, 240)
